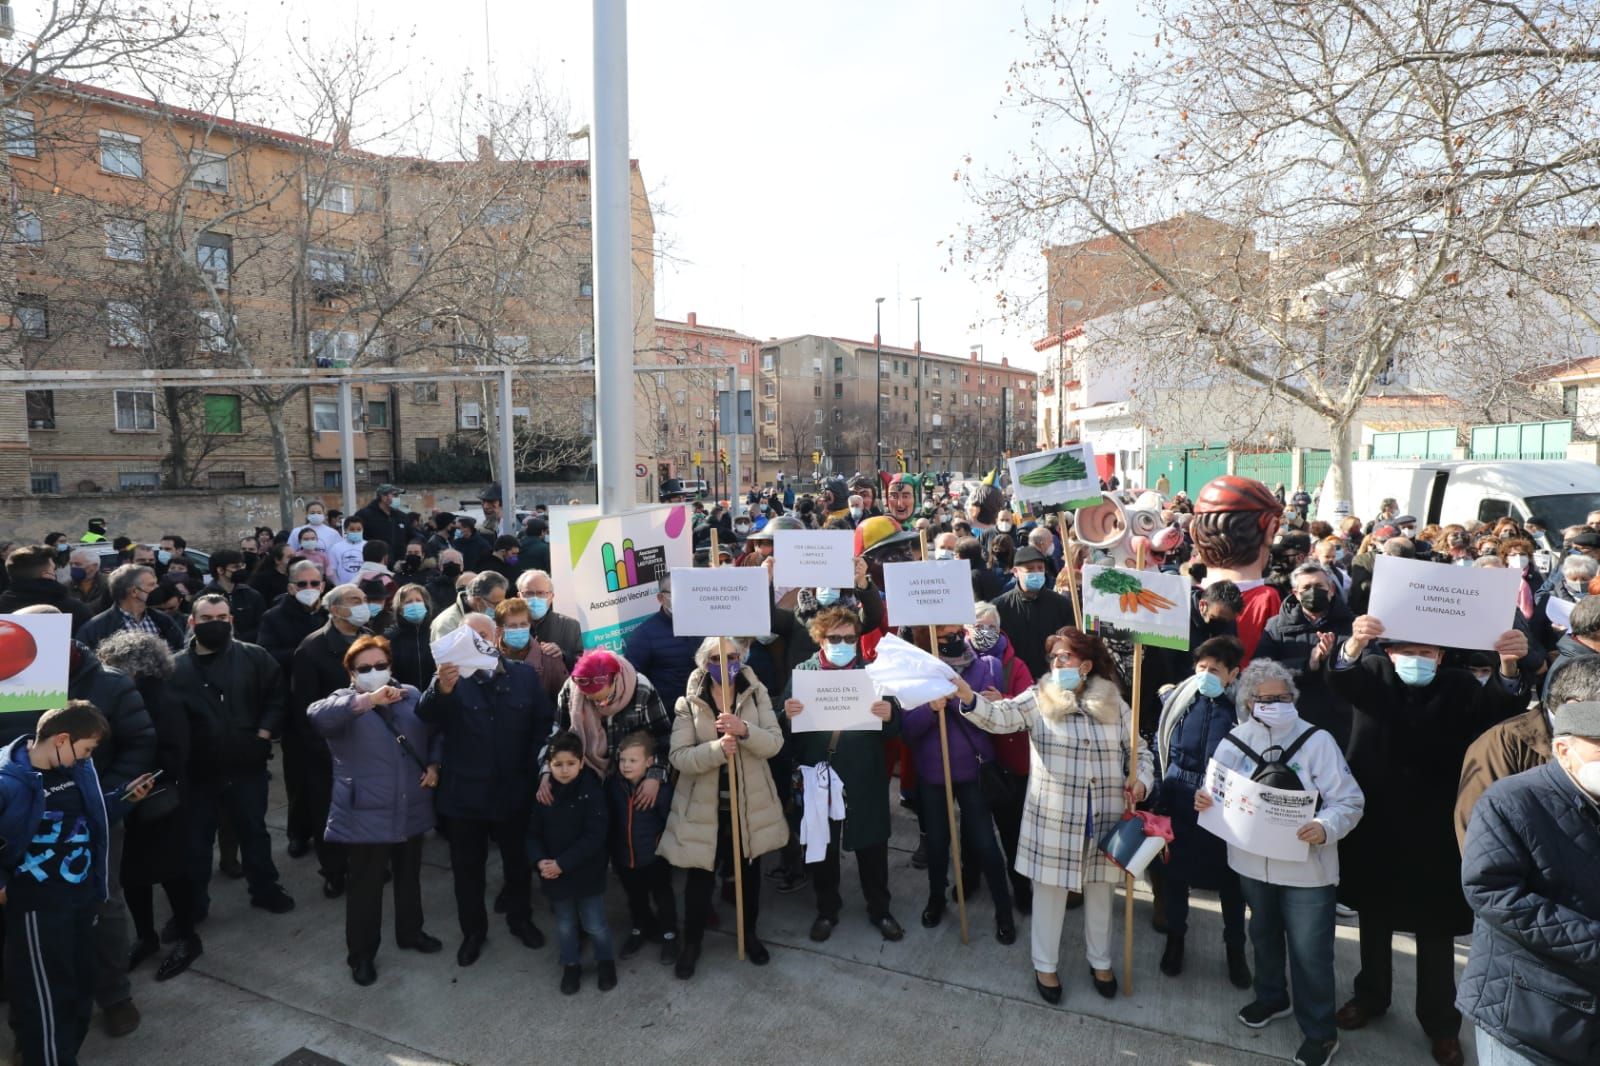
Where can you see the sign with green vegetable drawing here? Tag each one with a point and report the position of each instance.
(1062, 476)
(1153, 606)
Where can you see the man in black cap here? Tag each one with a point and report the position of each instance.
(382, 520)
(95, 533)
(490, 499)
(1030, 613)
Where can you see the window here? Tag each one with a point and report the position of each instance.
(138, 479)
(838, 390)
(838, 415)
(33, 316)
(331, 196)
(1569, 400)
(682, 396)
(44, 484)
(208, 171)
(816, 391)
(426, 446)
(41, 409)
(661, 380)
(936, 375)
(121, 154)
(213, 254)
(585, 279)
(125, 325)
(329, 268)
(334, 347)
(377, 414)
(936, 444)
(838, 364)
(767, 362)
(966, 399)
(225, 479)
(699, 412)
(20, 134)
(816, 366)
(417, 254)
(769, 413)
(325, 416)
(224, 414)
(769, 389)
(332, 479)
(938, 420)
(136, 410)
(471, 417)
(27, 230)
(502, 214)
(213, 331)
(585, 216)
(817, 416)
(425, 392)
(125, 240)
(744, 358)
(769, 444)
(982, 380)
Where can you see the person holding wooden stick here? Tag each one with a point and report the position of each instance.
(1080, 725)
(721, 729)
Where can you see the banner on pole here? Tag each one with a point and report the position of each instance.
(35, 652)
(612, 564)
(1064, 476)
(1154, 606)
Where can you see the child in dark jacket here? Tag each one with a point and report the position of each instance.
(645, 876)
(55, 823)
(567, 846)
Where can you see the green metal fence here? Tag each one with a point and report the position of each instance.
(1269, 468)
(1415, 444)
(1522, 440)
(1188, 467)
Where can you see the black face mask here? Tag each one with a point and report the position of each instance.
(410, 564)
(953, 647)
(1315, 598)
(214, 635)
(451, 569)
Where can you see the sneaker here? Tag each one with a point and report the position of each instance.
(1316, 1052)
(1259, 1015)
(670, 946)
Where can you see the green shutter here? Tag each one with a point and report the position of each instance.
(223, 415)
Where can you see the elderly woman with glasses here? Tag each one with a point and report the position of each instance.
(384, 771)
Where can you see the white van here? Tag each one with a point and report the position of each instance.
(1560, 492)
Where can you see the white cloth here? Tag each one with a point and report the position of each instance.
(823, 802)
(1049, 914)
(466, 649)
(909, 674)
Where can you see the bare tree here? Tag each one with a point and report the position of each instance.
(1369, 171)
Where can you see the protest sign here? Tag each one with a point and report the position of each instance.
(1064, 476)
(724, 601)
(1254, 818)
(1152, 605)
(814, 558)
(929, 594)
(1452, 606)
(1559, 611)
(35, 651)
(834, 699)
(612, 563)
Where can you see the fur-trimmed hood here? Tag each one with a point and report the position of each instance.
(1098, 698)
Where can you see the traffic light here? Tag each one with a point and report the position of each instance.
(900, 459)
(722, 455)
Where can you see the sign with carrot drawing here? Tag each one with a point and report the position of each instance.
(1153, 606)
(1062, 476)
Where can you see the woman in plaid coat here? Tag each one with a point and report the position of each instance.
(1079, 728)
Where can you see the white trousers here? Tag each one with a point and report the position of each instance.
(1050, 911)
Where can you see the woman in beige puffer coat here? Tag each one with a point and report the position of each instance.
(698, 836)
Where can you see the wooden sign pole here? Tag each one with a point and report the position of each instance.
(949, 789)
(733, 784)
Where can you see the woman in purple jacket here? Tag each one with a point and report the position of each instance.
(382, 803)
(971, 750)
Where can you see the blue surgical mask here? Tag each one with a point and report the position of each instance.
(414, 612)
(354, 536)
(163, 556)
(1068, 677)
(538, 606)
(840, 654)
(1415, 670)
(827, 597)
(1210, 685)
(360, 614)
(1033, 580)
(516, 638)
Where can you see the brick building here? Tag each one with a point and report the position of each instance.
(145, 237)
(678, 423)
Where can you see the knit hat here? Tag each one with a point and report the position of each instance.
(1580, 719)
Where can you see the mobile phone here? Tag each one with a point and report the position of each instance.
(128, 789)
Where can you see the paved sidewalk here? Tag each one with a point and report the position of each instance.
(269, 986)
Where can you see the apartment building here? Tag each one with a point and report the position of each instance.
(678, 421)
(820, 400)
(145, 237)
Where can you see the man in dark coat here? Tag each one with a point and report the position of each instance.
(551, 627)
(654, 651)
(536, 544)
(1308, 627)
(442, 587)
(1030, 613)
(245, 603)
(382, 520)
(1411, 724)
(85, 581)
(283, 628)
(31, 579)
(132, 587)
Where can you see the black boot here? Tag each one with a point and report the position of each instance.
(684, 969)
(1172, 958)
(570, 979)
(608, 975)
(1238, 969)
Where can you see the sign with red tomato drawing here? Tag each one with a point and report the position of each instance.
(35, 653)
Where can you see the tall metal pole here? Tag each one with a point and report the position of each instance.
(735, 503)
(917, 455)
(508, 456)
(347, 448)
(877, 385)
(611, 194)
(1061, 376)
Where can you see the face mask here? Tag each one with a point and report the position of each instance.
(360, 614)
(511, 560)
(516, 638)
(163, 557)
(1274, 715)
(1004, 527)
(1033, 580)
(1589, 778)
(354, 536)
(943, 553)
(1314, 598)
(457, 534)
(414, 612)
(308, 546)
(1338, 555)
(1576, 586)
(1210, 685)
(953, 647)
(1408, 531)
(840, 654)
(741, 527)
(410, 564)
(372, 680)
(213, 635)
(538, 606)
(1463, 561)
(78, 574)
(308, 597)
(1068, 677)
(827, 597)
(855, 512)
(315, 519)
(1483, 679)
(451, 570)
(984, 638)
(1415, 669)
(714, 669)
(1517, 562)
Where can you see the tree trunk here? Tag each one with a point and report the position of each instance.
(177, 462)
(280, 460)
(1337, 484)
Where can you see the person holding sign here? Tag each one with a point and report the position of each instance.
(1291, 903)
(856, 757)
(721, 728)
(1080, 726)
(1412, 722)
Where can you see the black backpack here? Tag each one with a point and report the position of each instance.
(1274, 771)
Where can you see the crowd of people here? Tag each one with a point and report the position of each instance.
(1458, 790)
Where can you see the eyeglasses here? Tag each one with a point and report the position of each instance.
(592, 684)
(371, 667)
(306, 584)
(834, 638)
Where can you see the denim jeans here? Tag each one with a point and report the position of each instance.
(1302, 920)
(242, 799)
(590, 913)
(1493, 1053)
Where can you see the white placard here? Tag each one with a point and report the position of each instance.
(1255, 818)
(723, 601)
(1559, 611)
(35, 657)
(814, 558)
(1452, 606)
(935, 593)
(834, 699)
(1064, 476)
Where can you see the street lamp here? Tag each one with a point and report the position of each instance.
(877, 384)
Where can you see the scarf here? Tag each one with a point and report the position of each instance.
(589, 718)
(1098, 699)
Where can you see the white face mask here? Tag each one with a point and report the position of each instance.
(314, 519)
(1589, 778)
(372, 680)
(943, 553)
(308, 597)
(1517, 562)
(1274, 715)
